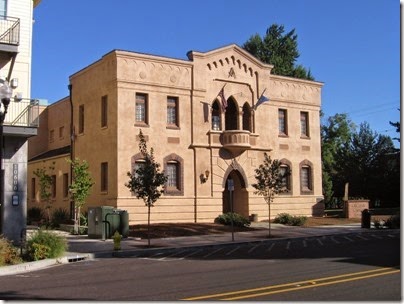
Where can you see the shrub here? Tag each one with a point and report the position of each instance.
(238, 220)
(45, 244)
(283, 218)
(8, 253)
(34, 214)
(393, 222)
(287, 219)
(378, 223)
(59, 216)
(298, 220)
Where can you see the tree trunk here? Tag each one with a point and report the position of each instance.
(269, 220)
(148, 225)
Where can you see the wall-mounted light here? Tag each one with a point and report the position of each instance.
(204, 176)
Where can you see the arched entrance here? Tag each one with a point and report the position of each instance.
(239, 195)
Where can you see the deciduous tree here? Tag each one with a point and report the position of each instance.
(270, 182)
(146, 181)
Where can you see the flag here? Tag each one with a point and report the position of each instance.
(224, 101)
(261, 100)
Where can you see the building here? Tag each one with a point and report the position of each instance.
(199, 145)
(21, 118)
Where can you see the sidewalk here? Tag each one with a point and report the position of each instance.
(82, 248)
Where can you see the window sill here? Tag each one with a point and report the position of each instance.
(306, 192)
(173, 192)
(173, 127)
(304, 137)
(283, 135)
(141, 124)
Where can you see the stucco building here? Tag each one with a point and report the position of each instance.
(199, 141)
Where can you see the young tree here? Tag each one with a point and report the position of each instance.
(278, 49)
(80, 188)
(270, 181)
(45, 188)
(146, 181)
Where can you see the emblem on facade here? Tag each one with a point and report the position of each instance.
(232, 73)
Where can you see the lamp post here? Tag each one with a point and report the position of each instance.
(5, 95)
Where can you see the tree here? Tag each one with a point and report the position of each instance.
(278, 49)
(366, 163)
(270, 181)
(335, 134)
(146, 181)
(80, 188)
(45, 188)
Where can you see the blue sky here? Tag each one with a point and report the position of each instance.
(352, 46)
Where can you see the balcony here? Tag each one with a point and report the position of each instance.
(22, 118)
(9, 34)
(236, 141)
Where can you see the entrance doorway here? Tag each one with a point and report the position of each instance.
(239, 195)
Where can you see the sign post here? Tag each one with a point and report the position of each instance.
(230, 187)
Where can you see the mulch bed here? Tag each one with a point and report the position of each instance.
(181, 229)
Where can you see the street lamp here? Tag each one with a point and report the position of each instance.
(5, 96)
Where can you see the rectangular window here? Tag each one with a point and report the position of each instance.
(141, 109)
(33, 188)
(172, 181)
(3, 9)
(53, 189)
(51, 135)
(282, 118)
(104, 177)
(81, 119)
(172, 111)
(304, 124)
(61, 132)
(104, 111)
(65, 185)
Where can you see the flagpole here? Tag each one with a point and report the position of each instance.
(255, 106)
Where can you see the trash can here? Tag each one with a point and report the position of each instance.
(365, 221)
(124, 223)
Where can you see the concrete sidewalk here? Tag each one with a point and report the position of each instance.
(80, 247)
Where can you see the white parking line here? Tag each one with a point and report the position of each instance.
(320, 242)
(362, 237)
(334, 240)
(288, 245)
(233, 250)
(192, 253)
(348, 238)
(253, 248)
(270, 247)
(304, 243)
(213, 252)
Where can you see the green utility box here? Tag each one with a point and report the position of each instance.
(105, 220)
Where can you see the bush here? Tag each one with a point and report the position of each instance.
(287, 219)
(45, 245)
(238, 220)
(59, 216)
(283, 218)
(34, 214)
(393, 222)
(8, 253)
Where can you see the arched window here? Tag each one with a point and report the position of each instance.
(216, 123)
(287, 176)
(247, 117)
(306, 177)
(174, 170)
(231, 115)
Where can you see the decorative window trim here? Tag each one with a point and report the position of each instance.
(173, 102)
(285, 117)
(179, 191)
(305, 135)
(285, 162)
(144, 122)
(306, 164)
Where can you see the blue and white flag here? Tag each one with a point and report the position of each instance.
(261, 100)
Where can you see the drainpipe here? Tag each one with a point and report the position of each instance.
(70, 87)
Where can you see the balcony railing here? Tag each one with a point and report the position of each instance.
(23, 114)
(236, 140)
(9, 30)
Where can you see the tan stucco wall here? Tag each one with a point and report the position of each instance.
(196, 82)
